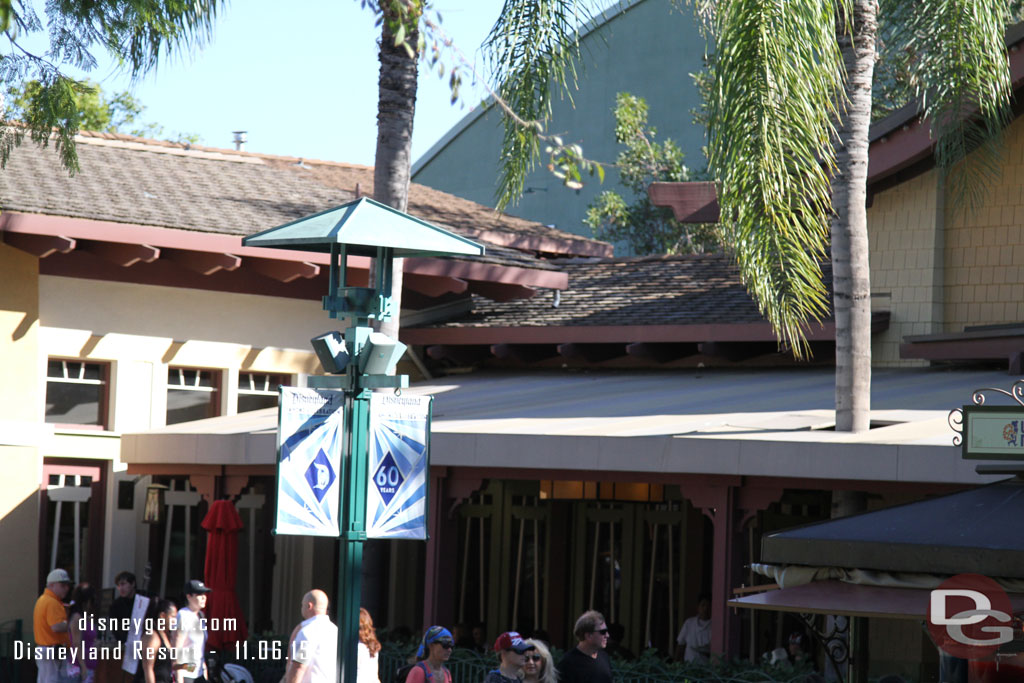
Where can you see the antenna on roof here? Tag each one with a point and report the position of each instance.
(241, 138)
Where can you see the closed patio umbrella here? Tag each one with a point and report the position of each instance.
(223, 523)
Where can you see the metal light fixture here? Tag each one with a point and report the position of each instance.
(153, 513)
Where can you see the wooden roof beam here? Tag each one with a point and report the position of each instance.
(434, 285)
(661, 352)
(120, 254)
(204, 263)
(500, 291)
(459, 355)
(283, 271)
(591, 353)
(524, 353)
(39, 245)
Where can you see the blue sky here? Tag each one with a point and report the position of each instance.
(301, 79)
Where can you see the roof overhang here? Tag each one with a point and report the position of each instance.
(143, 254)
(838, 597)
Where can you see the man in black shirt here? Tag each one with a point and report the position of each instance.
(124, 600)
(587, 662)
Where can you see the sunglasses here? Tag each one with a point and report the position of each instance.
(602, 631)
(446, 644)
(533, 658)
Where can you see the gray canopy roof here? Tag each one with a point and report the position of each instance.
(974, 531)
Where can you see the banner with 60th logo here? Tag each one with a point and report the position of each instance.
(399, 461)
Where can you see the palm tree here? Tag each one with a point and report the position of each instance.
(396, 107)
(790, 109)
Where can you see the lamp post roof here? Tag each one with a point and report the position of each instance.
(364, 225)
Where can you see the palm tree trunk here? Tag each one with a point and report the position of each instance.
(396, 106)
(850, 268)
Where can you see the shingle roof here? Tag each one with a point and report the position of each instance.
(655, 290)
(133, 180)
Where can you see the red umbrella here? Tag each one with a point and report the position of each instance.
(222, 523)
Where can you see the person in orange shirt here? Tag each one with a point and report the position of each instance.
(50, 625)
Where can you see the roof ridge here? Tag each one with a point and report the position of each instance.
(169, 146)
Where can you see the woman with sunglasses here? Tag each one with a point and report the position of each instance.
(435, 649)
(539, 666)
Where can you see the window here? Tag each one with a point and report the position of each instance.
(258, 390)
(192, 394)
(76, 393)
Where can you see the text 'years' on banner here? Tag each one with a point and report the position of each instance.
(399, 459)
(310, 439)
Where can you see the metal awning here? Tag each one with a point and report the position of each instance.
(838, 597)
(364, 225)
(973, 531)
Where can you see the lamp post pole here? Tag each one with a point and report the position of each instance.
(361, 228)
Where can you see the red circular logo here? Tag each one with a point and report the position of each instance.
(969, 616)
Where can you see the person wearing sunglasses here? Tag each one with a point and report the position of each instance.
(511, 648)
(435, 649)
(539, 666)
(587, 662)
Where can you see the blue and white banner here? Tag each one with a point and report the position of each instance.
(310, 438)
(399, 462)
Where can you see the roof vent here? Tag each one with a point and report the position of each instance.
(241, 138)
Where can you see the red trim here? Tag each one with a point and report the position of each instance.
(593, 334)
(226, 250)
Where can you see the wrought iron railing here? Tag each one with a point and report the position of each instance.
(10, 668)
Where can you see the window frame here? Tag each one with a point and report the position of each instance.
(104, 398)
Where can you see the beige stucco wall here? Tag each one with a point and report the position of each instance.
(142, 329)
(20, 433)
(985, 248)
(903, 246)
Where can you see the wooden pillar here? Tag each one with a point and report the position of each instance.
(730, 503)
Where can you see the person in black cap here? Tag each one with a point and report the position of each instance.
(191, 641)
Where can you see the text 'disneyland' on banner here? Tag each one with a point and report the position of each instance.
(310, 439)
(399, 461)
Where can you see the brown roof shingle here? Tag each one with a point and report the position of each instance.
(654, 290)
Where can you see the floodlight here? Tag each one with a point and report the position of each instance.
(331, 350)
(380, 354)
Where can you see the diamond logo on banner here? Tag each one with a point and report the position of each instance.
(388, 478)
(320, 475)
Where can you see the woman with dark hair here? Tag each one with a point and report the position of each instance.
(82, 630)
(369, 646)
(156, 664)
(434, 651)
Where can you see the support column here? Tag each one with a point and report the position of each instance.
(730, 504)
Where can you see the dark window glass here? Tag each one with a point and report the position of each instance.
(191, 395)
(75, 392)
(258, 390)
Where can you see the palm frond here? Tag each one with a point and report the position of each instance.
(776, 81)
(963, 71)
(530, 49)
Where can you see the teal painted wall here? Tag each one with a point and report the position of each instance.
(648, 49)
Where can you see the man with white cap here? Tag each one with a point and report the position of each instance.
(50, 625)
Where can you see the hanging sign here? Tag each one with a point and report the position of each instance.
(310, 438)
(399, 445)
(993, 433)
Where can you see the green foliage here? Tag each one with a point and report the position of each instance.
(777, 78)
(648, 229)
(530, 50)
(959, 66)
(137, 33)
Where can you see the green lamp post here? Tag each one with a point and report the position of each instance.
(360, 359)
